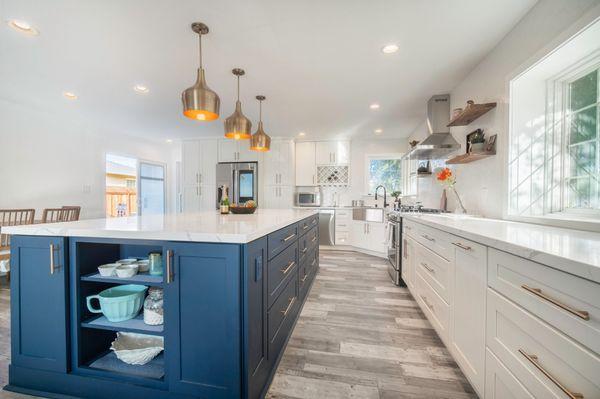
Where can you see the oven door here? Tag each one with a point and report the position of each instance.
(393, 244)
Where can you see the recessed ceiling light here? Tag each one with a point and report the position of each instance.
(389, 48)
(378, 131)
(23, 27)
(141, 89)
(169, 141)
(70, 95)
(301, 134)
(374, 106)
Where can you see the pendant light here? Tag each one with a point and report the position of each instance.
(260, 141)
(237, 126)
(199, 101)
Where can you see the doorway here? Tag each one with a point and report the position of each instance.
(152, 188)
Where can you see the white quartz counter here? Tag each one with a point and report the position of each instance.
(572, 251)
(196, 227)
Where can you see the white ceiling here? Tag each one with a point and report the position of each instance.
(318, 62)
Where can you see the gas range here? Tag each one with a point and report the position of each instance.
(396, 214)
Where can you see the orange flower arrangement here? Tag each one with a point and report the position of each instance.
(446, 177)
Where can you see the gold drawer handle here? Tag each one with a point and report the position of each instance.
(426, 266)
(314, 239)
(533, 359)
(305, 277)
(465, 247)
(538, 292)
(169, 266)
(425, 236)
(305, 227)
(289, 306)
(313, 262)
(287, 269)
(304, 250)
(430, 306)
(286, 239)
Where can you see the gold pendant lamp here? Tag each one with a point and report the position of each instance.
(199, 101)
(260, 141)
(237, 126)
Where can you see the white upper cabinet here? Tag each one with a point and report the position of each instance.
(332, 152)
(278, 163)
(191, 162)
(306, 171)
(199, 175)
(236, 151)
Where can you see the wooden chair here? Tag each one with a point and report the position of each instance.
(73, 213)
(12, 217)
(64, 214)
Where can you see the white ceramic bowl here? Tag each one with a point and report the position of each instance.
(137, 349)
(144, 265)
(108, 269)
(126, 271)
(127, 261)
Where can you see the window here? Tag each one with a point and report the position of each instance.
(554, 134)
(582, 163)
(385, 170)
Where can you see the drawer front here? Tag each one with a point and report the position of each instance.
(569, 303)
(312, 238)
(342, 238)
(306, 224)
(435, 270)
(500, 383)
(281, 317)
(303, 247)
(281, 239)
(434, 307)
(435, 240)
(548, 363)
(280, 271)
(312, 260)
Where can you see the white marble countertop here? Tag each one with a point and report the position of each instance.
(196, 227)
(573, 251)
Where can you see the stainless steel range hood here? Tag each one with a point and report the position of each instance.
(440, 142)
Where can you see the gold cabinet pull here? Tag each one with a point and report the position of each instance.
(429, 268)
(52, 260)
(304, 227)
(286, 239)
(314, 239)
(538, 292)
(465, 247)
(430, 306)
(305, 277)
(169, 266)
(304, 250)
(289, 306)
(288, 268)
(313, 262)
(533, 359)
(425, 236)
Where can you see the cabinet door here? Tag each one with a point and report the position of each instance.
(376, 240)
(359, 234)
(191, 162)
(202, 320)
(342, 153)
(255, 315)
(467, 330)
(271, 199)
(208, 161)
(228, 150)
(286, 163)
(325, 152)
(245, 154)
(286, 197)
(305, 164)
(39, 303)
(271, 164)
(208, 197)
(407, 268)
(191, 198)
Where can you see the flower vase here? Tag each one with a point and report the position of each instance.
(461, 208)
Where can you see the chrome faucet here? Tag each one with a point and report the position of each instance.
(385, 204)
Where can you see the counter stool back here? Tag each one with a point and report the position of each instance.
(64, 214)
(12, 217)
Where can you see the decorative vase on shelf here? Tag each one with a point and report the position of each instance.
(477, 148)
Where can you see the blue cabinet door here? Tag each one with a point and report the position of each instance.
(256, 342)
(39, 302)
(203, 319)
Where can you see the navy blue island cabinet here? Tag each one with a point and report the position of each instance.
(229, 310)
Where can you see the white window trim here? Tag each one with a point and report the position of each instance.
(368, 158)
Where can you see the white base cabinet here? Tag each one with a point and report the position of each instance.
(369, 235)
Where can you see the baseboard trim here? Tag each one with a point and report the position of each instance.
(351, 248)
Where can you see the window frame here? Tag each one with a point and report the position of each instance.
(369, 158)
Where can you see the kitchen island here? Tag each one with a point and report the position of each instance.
(233, 288)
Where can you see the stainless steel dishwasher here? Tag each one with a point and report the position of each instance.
(326, 227)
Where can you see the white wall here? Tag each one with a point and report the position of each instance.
(47, 160)
(482, 184)
(359, 149)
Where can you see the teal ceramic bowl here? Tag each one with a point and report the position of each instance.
(119, 303)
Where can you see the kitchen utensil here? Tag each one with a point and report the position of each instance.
(137, 349)
(119, 303)
(126, 271)
(108, 269)
(156, 267)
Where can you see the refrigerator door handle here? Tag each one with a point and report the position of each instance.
(236, 182)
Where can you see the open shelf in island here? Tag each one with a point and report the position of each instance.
(154, 369)
(140, 278)
(135, 325)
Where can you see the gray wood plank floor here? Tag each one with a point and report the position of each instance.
(358, 336)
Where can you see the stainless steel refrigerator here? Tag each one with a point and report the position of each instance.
(241, 179)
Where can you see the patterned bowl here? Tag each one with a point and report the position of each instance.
(242, 210)
(137, 349)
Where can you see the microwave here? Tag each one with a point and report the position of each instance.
(308, 198)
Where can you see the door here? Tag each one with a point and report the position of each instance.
(202, 319)
(228, 150)
(191, 162)
(342, 153)
(305, 164)
(191, 199)
(325, 151)
(39, 303)
(151, 194)
(286, 163)
(208, 162)
(377, 237)
(272, 164)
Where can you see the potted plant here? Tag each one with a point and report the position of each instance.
(478, 142)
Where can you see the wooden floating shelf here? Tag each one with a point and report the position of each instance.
(135, 325)
(468, 158)
(470, 113)
(141, 278)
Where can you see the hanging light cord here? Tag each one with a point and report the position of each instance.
(260, 111)
(200, 49)
(238, 76)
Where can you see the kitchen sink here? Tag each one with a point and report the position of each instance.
(368, 214)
